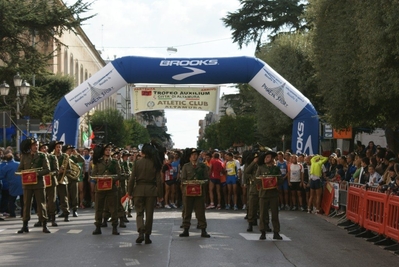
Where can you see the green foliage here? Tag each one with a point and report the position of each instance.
(43, 98)
(113, 120)
(257, 16)
(27, 28)
(230, 131)
(137, 133)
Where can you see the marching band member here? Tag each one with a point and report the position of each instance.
(107, 196)
(62, 187)
(31, 158)
(194, 170)
(73, 188)
(145, 185)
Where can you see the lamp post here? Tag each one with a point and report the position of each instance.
(23, 89)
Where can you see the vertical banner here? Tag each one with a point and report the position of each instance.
(185, 98)
(305, 136)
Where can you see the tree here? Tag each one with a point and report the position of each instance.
(113, 121)
(137, 133)
(256, 17)
(356, 58)
(26, 28)
(43, 98)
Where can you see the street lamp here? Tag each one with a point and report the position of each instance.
(23, 89)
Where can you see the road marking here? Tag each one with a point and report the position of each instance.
(216, 247)
(125, 244)
(74, 231)
(269, 237)
(131, 262)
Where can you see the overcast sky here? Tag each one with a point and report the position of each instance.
(149, 27)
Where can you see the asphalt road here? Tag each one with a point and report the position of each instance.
(309, 240)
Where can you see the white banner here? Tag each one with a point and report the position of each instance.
(186, 98)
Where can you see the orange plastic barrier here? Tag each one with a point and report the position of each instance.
(374, 210)
(355, 201)
(328, 196)
(392, 217)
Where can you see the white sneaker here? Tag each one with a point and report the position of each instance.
(244, 207)
(167, 206)
(173, 205)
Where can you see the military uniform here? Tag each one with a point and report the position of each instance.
(268, 199)
(73, 187)
(253, 194)
(51, 191)
(192, 172)
(62, 187)
(145, 185)
(33, 161)
(107, 198)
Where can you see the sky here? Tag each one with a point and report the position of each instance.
(148, 27)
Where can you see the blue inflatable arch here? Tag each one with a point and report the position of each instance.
(134, 69)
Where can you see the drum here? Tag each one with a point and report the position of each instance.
(29, 177)
(268, 182)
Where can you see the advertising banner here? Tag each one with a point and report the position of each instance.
(186, 98)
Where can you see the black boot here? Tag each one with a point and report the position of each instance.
(104, 224)
(97, 231)
(185, 233)
(74, 213)
(263, 235)
(24, 228)
(115, 230)
(140, 239)
(53, 223)
(277, 236)
(147, 239)
(66, 218)
(249, 229)
(45, 229)
(38, 224)
(204, 233)
(125, 219)
(122, 223)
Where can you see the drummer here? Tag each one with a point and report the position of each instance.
(37, 161)
(105, 165)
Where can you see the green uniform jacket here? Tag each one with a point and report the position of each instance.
(145, 180)
(188, 172)
(54, 168)
(38, 160)
(250, 174)
(269, 170)
(111, 167)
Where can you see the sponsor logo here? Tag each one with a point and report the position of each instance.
(150, 104)
(302, 146)
(55, 129)
(187, 63)
(183, 76)
(146, 93)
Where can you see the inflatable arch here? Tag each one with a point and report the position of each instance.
(134, 69)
